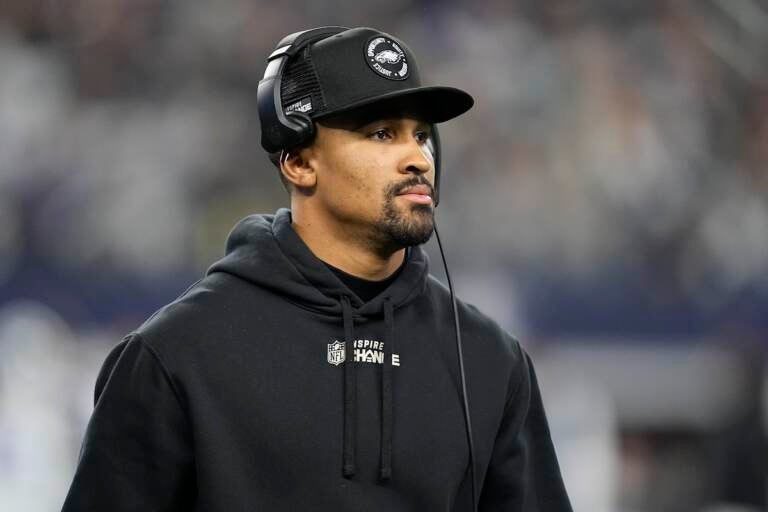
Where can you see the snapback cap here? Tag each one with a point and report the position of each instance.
(362, 67)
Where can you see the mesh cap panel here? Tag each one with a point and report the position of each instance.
(300, 80)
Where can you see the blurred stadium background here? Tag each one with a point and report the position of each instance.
(606, 201)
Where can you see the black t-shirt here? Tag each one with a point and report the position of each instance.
(364, 288)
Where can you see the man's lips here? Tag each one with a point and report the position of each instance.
(418, 193)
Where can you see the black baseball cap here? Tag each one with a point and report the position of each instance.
(361, 68)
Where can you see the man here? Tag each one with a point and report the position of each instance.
(313, 367)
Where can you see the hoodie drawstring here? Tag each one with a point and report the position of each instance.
(385, 470)
(350, 392)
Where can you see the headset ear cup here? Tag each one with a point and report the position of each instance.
(302, 126)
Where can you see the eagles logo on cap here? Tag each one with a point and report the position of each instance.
(386, 58)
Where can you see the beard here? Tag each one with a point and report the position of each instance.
(400, 227)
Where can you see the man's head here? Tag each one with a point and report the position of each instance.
(371, 175)
(352, 135)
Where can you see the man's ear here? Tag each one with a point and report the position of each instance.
(298, 168)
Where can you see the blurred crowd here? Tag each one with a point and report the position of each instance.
(613, 144)
(611, 183)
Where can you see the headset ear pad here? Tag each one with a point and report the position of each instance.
(302, 127)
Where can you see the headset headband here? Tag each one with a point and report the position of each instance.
(281, 130)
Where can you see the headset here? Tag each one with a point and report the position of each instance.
(281, 130)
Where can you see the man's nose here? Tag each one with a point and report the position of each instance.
(418, 159)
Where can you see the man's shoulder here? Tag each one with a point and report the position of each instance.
(476, 325)
(200, 312)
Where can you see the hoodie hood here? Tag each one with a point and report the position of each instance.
(265, 250)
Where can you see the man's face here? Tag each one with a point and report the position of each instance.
(375, 177)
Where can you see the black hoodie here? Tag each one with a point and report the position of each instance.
(269, 385)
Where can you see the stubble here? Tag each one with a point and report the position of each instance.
(407, 226)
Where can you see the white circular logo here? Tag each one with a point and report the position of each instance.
(386, 58)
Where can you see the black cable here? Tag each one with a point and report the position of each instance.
(465, 401)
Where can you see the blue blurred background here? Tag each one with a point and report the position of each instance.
(606, 201)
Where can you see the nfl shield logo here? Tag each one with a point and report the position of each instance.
(336, 353)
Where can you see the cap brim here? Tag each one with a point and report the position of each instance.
(434, 104)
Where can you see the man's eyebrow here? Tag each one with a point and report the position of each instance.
(370, 123)
(423, 125)
(420, 125)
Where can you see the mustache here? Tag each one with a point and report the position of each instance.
(411, 182)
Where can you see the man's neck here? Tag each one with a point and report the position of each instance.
(347, 253)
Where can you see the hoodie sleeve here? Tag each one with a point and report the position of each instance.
(137, 450)
(523, 475)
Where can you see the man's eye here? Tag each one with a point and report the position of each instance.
(422, 136)
(382, 134)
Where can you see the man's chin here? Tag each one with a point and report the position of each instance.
(405, 225)
(414, 229)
